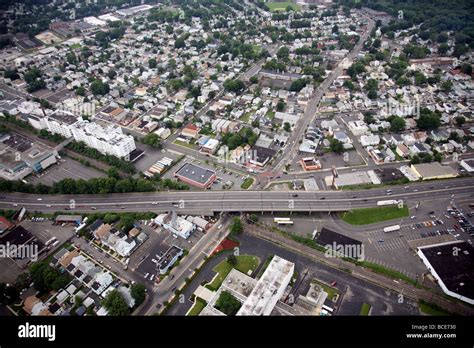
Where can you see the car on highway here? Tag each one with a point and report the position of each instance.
(294, 195)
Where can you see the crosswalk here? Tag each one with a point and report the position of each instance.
(386, 265)
(393, 243)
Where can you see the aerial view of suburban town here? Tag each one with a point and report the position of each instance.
(236, 158)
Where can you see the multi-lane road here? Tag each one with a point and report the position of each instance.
(234, 201)
(312, 107)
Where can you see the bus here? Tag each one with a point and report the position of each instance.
(388, 202)
(283, 221)
(392, 228)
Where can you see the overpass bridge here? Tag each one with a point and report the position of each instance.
(208, 202)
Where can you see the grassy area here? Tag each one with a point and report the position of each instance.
(365, 309)
(287, 183)
(271, 115)
(246, 117)
(281, 6)
(247, 183)
(198, 307)
(245, 263)
(403, 181)
(332, 292)
(431, 309)
(367, 216)
(182, 143)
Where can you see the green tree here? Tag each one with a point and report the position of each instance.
(80, 91)
(152, 63)
(236, 86)
(397, 124)
(113, 173)
(115, 304)
(446, 86)
(443, 48)
(283, 53)
(232, 260)
(298, 85)
(99, 87)
(152, 139)
(428, 120)
(369, 118)
(280, 105)
(466, 68)
(227, 303)
(236, 226)
(336, 145)
(287, 127)
(460, 120)
(138, 292)
(254, 217)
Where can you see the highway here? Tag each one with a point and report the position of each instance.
(228, 201)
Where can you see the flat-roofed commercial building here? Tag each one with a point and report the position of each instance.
(452, 265)
(269, 288)
(20, 156)
(195, 175)
(131, 11)
(434, 170)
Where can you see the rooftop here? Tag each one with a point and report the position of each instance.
(269, 288)
(453, 263)
(195, 173)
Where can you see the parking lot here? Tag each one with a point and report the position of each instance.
(143, 260)
(226, 179)
(393, 251)
(66, 168)
(44, 231)
(153, 155)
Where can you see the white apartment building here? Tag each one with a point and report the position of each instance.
(108, 140)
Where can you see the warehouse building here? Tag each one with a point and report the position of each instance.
(434, 170)
(452, 265)
(20, 156)
(195, 175)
